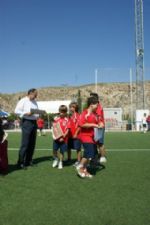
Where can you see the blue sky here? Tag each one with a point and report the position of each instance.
(61, 42)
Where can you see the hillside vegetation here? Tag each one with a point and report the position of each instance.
(111, 95)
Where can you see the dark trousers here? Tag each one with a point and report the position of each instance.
(28, 141)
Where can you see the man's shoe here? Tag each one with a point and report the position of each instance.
(31, 164)
(21, 166)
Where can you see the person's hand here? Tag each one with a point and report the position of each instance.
(61, 139)
(100, 125)
(28, 114)
(74, 136)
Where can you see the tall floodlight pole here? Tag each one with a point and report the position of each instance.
(131, 96)
(96, 80)
(139, 45)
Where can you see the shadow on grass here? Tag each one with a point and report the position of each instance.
(36, 161)
(94, 169)
(12, 168)
(42, 159)
(69, 162)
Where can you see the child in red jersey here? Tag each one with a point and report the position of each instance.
(40, 124)
(100, 114)
(74, 141)
(61, 126)
(88, 121)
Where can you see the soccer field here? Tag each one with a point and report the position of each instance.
(117, 195)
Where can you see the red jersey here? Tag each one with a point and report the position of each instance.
(87, 134)
(148, 119)
(74, 124)
(100, 114)
(40, 123)
(64, 124)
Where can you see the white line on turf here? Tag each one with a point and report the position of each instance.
(109, 150)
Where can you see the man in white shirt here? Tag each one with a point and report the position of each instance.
(24, 109)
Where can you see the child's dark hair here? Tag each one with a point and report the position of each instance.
(95, 95)
(63, 109)
(92, 100)
(74, 105)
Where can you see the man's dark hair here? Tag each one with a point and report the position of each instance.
(32, 90)
(92, 100)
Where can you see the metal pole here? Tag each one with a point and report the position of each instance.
(131, 97)
(96, 80)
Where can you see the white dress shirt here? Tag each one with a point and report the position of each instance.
(24, 106)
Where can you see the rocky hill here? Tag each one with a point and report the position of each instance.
(111, 95)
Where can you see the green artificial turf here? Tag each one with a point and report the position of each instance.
(116, 195)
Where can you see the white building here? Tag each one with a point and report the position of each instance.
(114, 113)
(52, 106)
(113, 117)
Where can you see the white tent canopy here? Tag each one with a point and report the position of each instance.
(52, 106)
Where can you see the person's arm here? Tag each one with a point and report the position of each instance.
(67, 129)
(101, 118)
(83, 121)
(61, 139)
(101, 125)
(89, 125)
(20, 109)
(77, 132)
(66, 133)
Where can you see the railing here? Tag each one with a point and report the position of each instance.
(125, 126)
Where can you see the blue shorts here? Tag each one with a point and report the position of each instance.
(74, 144)
(101, 140)
(90, 150)
(60, 145)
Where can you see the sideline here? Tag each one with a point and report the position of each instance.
(108, 150)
